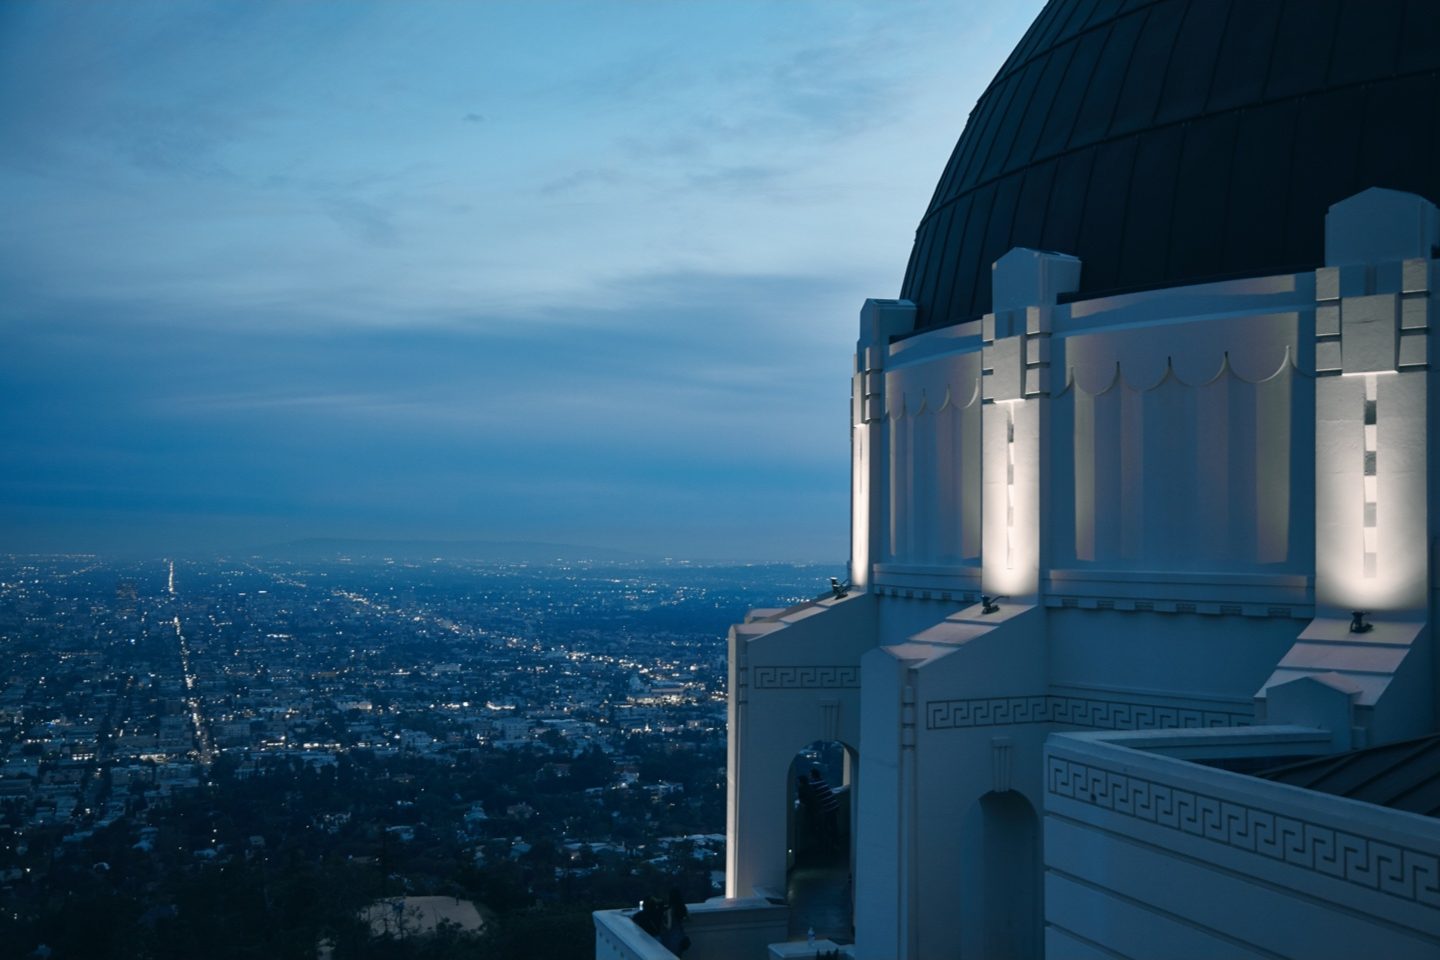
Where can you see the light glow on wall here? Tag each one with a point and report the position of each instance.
(860, 508)
(1011, 557)
(1009, 486)
(1370, 524)
(1370, 535)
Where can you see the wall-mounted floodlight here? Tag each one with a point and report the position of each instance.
(990, 604)
(839, 589)
(1357, 622)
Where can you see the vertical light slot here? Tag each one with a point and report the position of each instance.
(1371, 483)
(1009, 486)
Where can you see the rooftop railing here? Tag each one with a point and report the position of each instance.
(719, 929)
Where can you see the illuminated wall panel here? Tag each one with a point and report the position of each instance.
(933, 463)
(1173, 466)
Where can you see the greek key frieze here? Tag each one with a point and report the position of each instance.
(1075, 711)
(1398, 871)
(834, 677)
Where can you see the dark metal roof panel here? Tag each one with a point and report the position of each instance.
(1145, 78)
(1192, 62)
(1402, 776)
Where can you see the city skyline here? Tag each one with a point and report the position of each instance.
(571, 273)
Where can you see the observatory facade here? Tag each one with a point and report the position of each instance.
(1137, 657)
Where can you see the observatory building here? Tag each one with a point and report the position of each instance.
(1137, 656)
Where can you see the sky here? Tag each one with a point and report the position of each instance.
(582, 273)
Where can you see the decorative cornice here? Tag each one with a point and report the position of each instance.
(1398, 871)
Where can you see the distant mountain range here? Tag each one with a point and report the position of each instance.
(514, 550)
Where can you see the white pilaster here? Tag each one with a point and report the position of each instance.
(1372, 523)
(879, 321)
(1372, 332)
(1015, 416)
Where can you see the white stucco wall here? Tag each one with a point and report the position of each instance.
(793, 680)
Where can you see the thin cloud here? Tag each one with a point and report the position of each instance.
(362, 220)
(580, 179)
(745, 178)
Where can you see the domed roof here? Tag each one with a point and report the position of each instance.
(1175, 141)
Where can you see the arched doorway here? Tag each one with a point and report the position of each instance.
(1001, 879)
(820, 856)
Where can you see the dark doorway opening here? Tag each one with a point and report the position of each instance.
(820, 812)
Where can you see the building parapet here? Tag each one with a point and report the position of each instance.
(719, 929)
(1285, 869)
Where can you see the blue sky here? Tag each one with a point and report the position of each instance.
(573, 272)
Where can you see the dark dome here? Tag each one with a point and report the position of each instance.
(1181, 140)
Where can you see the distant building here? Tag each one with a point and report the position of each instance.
(1138, 656)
